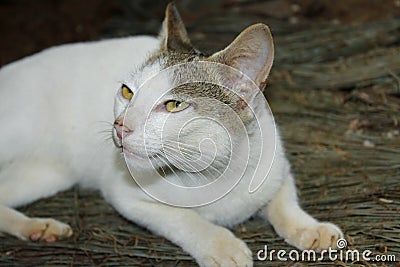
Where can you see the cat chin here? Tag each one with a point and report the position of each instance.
(143, 162)
(136, 158)
(131, 155)
(134, 161)
(116, 140)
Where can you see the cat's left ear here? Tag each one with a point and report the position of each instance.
(252, 52)
(173, 34)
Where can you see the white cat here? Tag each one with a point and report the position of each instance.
(52, 106)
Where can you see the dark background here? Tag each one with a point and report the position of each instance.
(28, 26)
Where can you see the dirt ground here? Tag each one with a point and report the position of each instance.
(334, 91)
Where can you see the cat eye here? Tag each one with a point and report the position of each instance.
(175, 106)
(126, 92)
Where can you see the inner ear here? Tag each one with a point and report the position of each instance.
(252, 52)
(173, 33)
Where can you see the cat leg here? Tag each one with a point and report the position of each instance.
(209, 244)
(26, 182)
(297, 227)
(15, 223)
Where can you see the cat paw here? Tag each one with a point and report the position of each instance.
(48, 230)
(320, 236)
(225, 250)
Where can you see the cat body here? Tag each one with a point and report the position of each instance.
(55, 108)
(75, 83)
(55, 105)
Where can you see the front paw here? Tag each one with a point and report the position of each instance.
(223, 249)
(319, 236)
(48, 230)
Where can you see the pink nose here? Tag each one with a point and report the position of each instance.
(122, 130)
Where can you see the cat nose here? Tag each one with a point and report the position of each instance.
(121, 129)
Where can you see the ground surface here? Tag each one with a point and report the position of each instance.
(334, 91)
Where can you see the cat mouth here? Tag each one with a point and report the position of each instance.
(117, 141)
(130, 153)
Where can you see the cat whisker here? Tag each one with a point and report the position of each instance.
(106, 131)
(186, 153)
(189, 150)
(161, 167)
(170, 150)
(166, 164)
(193, 174)
(193, 177)
(106, 122)
(171, 155)
(228, 148)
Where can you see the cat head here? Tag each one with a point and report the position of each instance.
(176, 109)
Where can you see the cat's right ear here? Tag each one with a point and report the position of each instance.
(173, 34)
(252, 52)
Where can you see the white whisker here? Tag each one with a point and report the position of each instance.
(194, 174)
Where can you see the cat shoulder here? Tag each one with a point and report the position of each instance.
(125, 47)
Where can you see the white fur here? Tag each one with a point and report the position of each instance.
(52, 108)
(56, 111)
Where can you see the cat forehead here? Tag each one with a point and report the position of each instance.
(204, 90)
(161, 60)
(145, 72)
(157, 62)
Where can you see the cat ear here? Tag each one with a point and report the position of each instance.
(252, 52)
(173, 34)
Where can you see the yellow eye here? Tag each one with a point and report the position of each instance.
(175, 106)
(126, 92)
